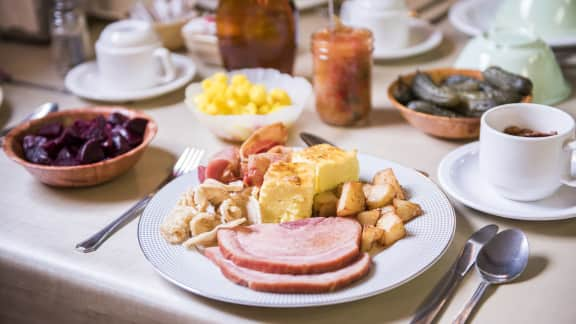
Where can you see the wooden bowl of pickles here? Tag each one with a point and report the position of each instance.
(448, 102)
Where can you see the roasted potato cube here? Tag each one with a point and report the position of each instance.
(352, 200)
(406, 210)
(378, 195)
(369, 217)
(393, 228)
(325, 204)
(387, 176)
(370, 236)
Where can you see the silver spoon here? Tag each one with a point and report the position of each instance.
(38, 113)
(501, 260)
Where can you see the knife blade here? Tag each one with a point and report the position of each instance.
(311, 139)
(441, 293)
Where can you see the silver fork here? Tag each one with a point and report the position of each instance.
(188, 160)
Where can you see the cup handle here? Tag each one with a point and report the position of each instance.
(169, 72)
(569, 179)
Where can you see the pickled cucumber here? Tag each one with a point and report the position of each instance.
(402, 92)
(507, 81)
(424, 88)
(431, 109)
(475, 103)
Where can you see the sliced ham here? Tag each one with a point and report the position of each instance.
(311, 245)
(287, 283)
(264, 139)
(225, 165)
(258, 165)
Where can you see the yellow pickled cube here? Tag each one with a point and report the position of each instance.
(258, 94)
(280, 96)
(201, 100)
(212, 109)
(220, 77)
(251, 108)
(239, 79)
(264, 109)
(207, 84)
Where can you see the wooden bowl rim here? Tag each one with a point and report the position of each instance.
(403, 108)
(152, 130)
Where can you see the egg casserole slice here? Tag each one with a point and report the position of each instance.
(332, 165)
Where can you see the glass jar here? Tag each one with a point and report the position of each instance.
(343, 74)
(256, 33)
(69, 33)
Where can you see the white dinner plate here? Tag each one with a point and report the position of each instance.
(300, 4)
(473, 17)
(459, 176)
(423, 38)
(84, 81)
(428, 237)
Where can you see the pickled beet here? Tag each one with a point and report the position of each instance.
(50, 130)
(84, 141)
(90, 152)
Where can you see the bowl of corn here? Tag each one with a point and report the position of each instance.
(234, 104)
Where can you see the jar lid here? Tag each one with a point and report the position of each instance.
(128, 33)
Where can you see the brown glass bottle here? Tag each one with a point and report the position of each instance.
(257, 33)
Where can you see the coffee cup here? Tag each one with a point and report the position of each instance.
(387, 19)
(129, 56)
(527, 168)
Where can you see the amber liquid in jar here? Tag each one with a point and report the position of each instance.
(343, 74)
(257, 33)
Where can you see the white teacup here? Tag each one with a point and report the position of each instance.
(527, 168)
(387, 19)
(130, 56)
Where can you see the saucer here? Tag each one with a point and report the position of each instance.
(474, 17)
(83, 81)
(459, 177)
(423, 38)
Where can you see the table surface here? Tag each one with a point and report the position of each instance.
(43, 279)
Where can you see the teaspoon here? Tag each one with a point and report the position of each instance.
(501, 260)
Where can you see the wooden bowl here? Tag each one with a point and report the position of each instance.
(441, 126)
(78, 175)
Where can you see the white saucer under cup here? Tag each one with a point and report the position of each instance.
(84, 81)
(459, 177)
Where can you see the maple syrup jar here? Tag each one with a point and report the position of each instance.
(343, 74)
(257, 33)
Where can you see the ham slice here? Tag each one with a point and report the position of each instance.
(311, 245)
(224, 166)
(264, 139)
(258, 165)
(287, 283)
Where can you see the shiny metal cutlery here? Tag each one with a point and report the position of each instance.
(38, 113)
(187, 161)
(311, 139)
(442, 292)
(501, 260)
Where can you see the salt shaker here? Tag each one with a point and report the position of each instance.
(70, 38)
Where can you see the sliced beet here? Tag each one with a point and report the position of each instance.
(33, 150)
(136, 126)
(32, 141)
(65, 158)
(50, 130)
(108, 147)
(69, 137)
(90, 152)
(121, 144)
(52, 147)
(117, 118)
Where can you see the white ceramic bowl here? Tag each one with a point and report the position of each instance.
(238, 127)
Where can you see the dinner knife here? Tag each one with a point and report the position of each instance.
(442, 292)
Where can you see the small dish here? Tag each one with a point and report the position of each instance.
(459, 176)
(170, 32)
(84, 81)
(78, 175)
(423, 38)
(440, 126)
(237, 128)
(518, 51)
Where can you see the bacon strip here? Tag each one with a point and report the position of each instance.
(225, 165)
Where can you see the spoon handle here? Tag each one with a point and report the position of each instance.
(472, 303)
